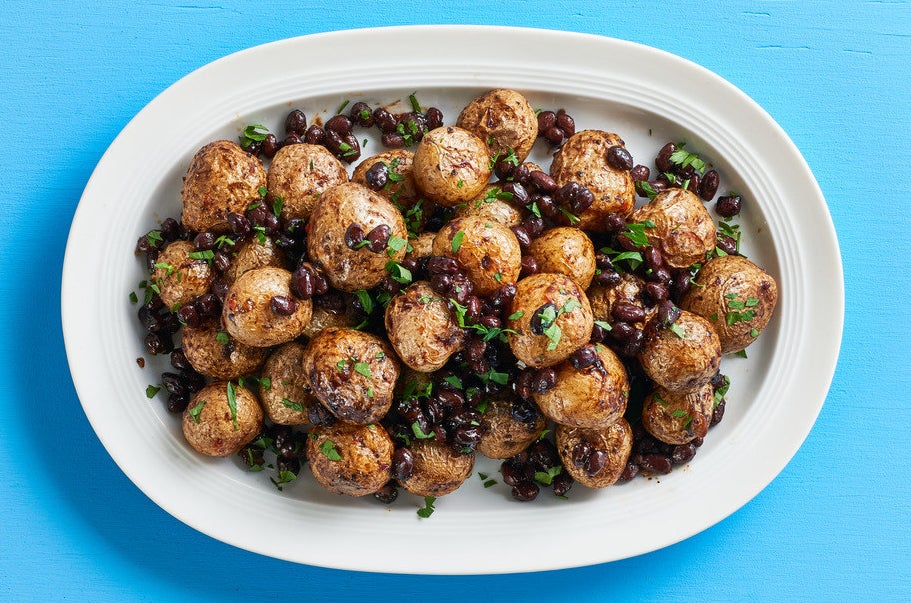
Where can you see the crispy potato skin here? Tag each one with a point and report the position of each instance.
(489, 208)
(593, 397)
(565, 250)
(400, 162)
(217, 360)
(504, 436)
(583, 159)
(532, 293)
(678, 417)
(682, 363)
(366, 458)
(615, 439)
(338, 208)
(487, 249)
(180, 277)
(323, 319)
(438, 469)
(684, 231)
(333, 365)
(287, 386)
(212, 432)
(421, 328)
(247, 314)
(252, 254)
(603, 299)
(222, 178)
(299, 174)
(504, 119)
(451, 166)
(733, 279)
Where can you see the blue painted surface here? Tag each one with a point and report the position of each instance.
(833, 526)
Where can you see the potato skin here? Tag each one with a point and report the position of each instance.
(583, 159)
(222, 178)
(684, 231)
(366, 458)
(603, 299)
(212, 431)
(451, 166)
(339, 207)
(593, 397)
(329, 366)
(565, 250)
(422, 246)
(728, 279)
(532, 293)
(403, 192)
(681, 363)
(247, 315)
(504, 435)
(421, 328)
(179, 277)
(299, 173)
(678, 417)
(615, 439)
(504, 119)
(287, 386)
(438, 469)
(487, 249)
(489, 208)
(323, 319)
(212, 358)
(252, 254)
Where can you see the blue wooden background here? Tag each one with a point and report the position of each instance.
(833, 526)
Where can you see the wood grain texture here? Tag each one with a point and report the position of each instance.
(833, 526)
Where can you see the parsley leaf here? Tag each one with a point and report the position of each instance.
(297, 406)
(457, 241)
(329, 451)
(151, 391)
(232, 403)
(196, 410)
(428, 509)
(363, 368)
(546, 478)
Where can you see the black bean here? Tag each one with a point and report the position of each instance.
(663, 160)
(302, 282)
(652, 257)
(361, 113)
(490, 321)
(518, 192)
(727, 244)
(239, 224)
(521, 236)
(566, 123)
(511, 474)
(544, 381)
(402, 463)
(282, 305)
(718, 412)
(473, 307)
(654, 293)
(295, 139)
(640, 173)
(693, 183)
(221, 261)
(668, 313)
(728, 206)
(434, 118)
(607, 278)
(392, 140)
(296, 123)
(318, 414)
(384, 120)
(629, 312)
(158, 343)
(629, 472)
(354, 236)
(187, 315)
(174, 383)
(574, 197)
(538, 322)
(660, 275)
(683, 453)
(584, 357)
(523, 411)
(542, 181)
(680, 284)
(204, 240)
(171, 229)
(599, 334)
(622, 331)
(178, 402)
(503, 295)
(697, 442)
(340, 124)
(544, 454)
(634, 344)
(377, 176)
(179, 360)
(521, 173)
(546, 121)
(533, 225)
(379, 238)
(529, 265)
(525, 491)
(554, 136)
(220, 289)
(626, 243)
(441, 282)
(562, 483)
(655, 463)
(504, 166)
(270, 145)
(314, 135)
(387, 494)
(619, 158)
(596, 462)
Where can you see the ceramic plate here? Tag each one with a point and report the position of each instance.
(645, 95)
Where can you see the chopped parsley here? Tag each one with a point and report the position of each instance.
(636, 232)
(362, 368)
(415, 105)
(604, 325)
(222, 338)
(399, 273)
(205, 254)
(232, 403)
(454, 381)
(253, 133)
(277, 206)
(457, 241)
(151, 390)
(196, 410)
(516, 315)
(342, 106)
(722, 390)
(297, 406)
(677, 330)
(546, 478)
(646, 188)
(329, 451)
(395, 244)
(284, 477)
(683, 158)
(419, 433)
(428, 509)
(134, 299)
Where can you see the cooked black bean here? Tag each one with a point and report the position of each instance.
(340, 124)
(270, 145)
(434, 118)
(402, 463)
(525, 491)
(668, 313)
(520, 174)
(533, 225)
(521, 236)
(523, 410)
(188, 315)
(619, 158)
(663, 160)
(511, 474)
(654, 293)
(239, 224)
(584, 357)
(628, 312)
(683, 453)
(377, 176)
(529, 265)
(282, 305)
(660, 275)
(542, 318)
(519, 195)
(544, 381)
(379, 238)
(542, 181)
(718, 412)
(728, 206)
(295, 139)
(315, 135)
(296, 123)
(554, 136)
(178, 403)
(607, 278)
(565, 122)
(392, 140)
(596, 462)
(622, 331)
(562, 483)
(630, 471)
(362, 115)
(727, 244)
(354, 236)
(709, 185)
(546, 121)
(655, 463)
(387, 494)
(640, 173)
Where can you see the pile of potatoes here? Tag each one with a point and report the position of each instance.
(314, 358)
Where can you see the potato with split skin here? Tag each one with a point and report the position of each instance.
(421, 328)
(222, 418)
(683, 230)
(603, 452)
(261, 311)
(438, 469)
(179, 277)
(299, 174)
(286, 397)
(736, 296)
(451, 166)
(504, 434)
(504, 119)
(399, 188)
(342, 210)
(678, 417)
(222, 178)
(684, 357)
(583, 159)
(492, 205)
(352, 373)
(487, 251)
(422, 246)
(567, 251)
(249, 254)
(594, 396)
(354, 460)
(628, 289)
(550, 317)
(212, 352)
